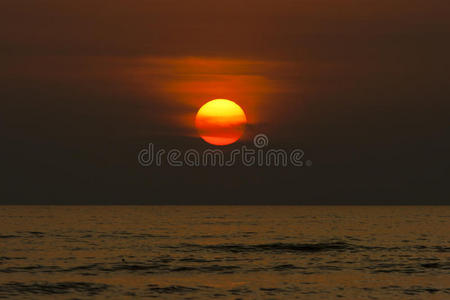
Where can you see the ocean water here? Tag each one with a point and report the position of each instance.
(224, 252)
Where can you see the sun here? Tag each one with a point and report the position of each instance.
(220, 122)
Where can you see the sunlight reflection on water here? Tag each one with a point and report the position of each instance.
(224, 251)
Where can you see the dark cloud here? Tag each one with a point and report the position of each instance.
(362, 88)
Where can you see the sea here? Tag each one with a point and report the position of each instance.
(225, 252)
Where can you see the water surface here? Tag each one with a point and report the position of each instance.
(226, 252)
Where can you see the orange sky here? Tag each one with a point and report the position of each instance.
(192, 81)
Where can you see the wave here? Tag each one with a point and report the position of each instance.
(18, 288)
(284, 247)
(9, 236)
(172, 289)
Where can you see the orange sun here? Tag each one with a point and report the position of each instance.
(220, 122)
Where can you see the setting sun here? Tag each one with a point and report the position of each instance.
(220, 122)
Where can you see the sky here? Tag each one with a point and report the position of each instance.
(362, 87)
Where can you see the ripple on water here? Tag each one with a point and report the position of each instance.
(46, 288)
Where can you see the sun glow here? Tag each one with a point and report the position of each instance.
(220, 122)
